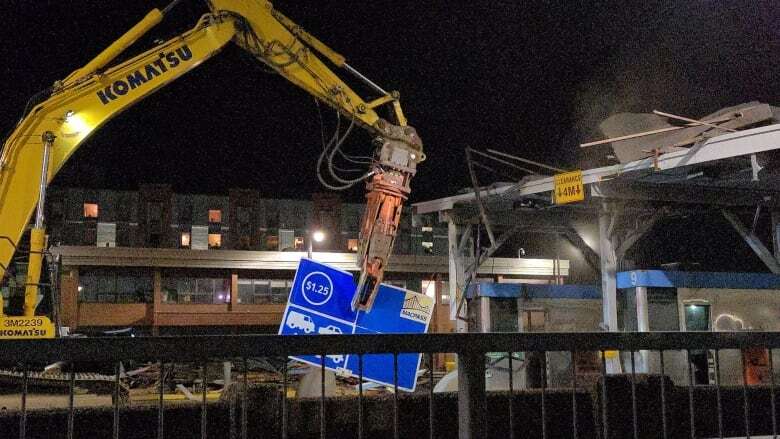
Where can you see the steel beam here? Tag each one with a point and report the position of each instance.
(754, 242)
(678, 193)
(729, 145)
(590, 256)
(636, 234)
(508, 216)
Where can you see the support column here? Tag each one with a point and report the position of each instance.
(608, 281)
(455, 273)
(233, 291)
(69, 298)
(484, 314)
(227, 369)
(642, 325)
(435, 318)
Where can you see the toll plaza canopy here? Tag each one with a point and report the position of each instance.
(735, 175)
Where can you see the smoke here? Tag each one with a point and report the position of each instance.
(668, 59)
(636, 83)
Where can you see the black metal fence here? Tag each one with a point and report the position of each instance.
(629, 404)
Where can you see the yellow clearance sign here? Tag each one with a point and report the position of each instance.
(568, 187)
(25, 327)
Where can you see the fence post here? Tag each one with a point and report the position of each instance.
(471, 395)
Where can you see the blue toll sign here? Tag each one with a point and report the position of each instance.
(320, 303)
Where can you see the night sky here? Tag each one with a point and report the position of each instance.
(531, 79)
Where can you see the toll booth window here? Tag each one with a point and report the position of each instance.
(254, 291)
(280, 289)
(697, 317)
(352, 245)
(177, 290)
(134, 289)
(107, 286)
(185, 239)
(90, 210)
(196, 290)
(210, 290)
(215, 216)
(215, 240)
(246, 291)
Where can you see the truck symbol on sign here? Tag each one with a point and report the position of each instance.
(300, 321)
(330, 329)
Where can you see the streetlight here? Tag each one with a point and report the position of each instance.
(318, 236)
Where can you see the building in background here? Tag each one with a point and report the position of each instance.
(165, 262)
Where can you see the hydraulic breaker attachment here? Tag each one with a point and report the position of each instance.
(399, 151)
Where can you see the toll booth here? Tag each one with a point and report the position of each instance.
(523, 307)
(655, 300)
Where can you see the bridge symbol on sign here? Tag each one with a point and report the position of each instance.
(414, 304)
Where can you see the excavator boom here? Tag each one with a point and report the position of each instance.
(49, 134)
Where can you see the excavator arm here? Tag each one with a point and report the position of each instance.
(75, 107)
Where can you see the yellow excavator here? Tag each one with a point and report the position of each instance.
(73, 108)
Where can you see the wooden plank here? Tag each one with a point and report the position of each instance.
(694, 121)
(651, 132)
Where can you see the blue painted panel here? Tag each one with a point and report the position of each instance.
(391, 314)
(299, 321)
(380, 367)
(323, 289)
(697, 279)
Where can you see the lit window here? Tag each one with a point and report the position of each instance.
(185, 239)
(427, 247)
(215, 240)
(272, 243)
(352, 245)
(215, 216)
(90, 210)
(299, 243)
